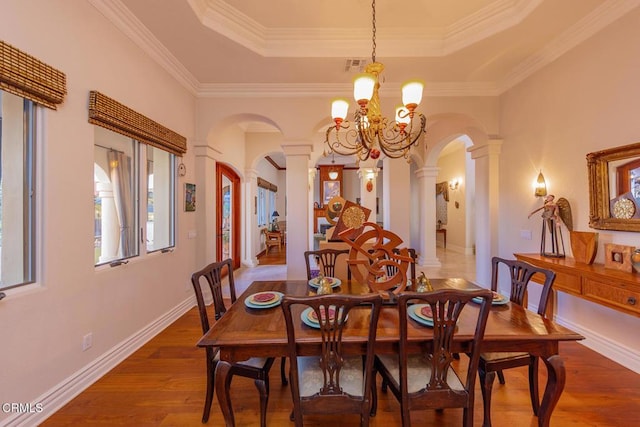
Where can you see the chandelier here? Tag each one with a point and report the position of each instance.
(373, 133)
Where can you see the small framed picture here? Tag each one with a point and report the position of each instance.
(190, 197)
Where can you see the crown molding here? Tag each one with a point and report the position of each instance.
(228, 21)
(120, 16)
(601, 17)
(314, 90)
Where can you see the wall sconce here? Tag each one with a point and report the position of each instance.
(369, 185)
(454, 184)
(540, 186)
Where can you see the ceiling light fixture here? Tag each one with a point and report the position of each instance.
(333, 173)
(373, 133)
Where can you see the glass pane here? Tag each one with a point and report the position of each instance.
(226, 217)
(160, 199)
(115, 196)
(17, 205)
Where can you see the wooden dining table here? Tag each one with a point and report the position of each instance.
(245, 332)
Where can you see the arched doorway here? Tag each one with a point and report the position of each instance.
(227, 214)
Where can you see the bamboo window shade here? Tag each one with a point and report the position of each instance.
(112, 115)
(23, 75)
(267, 185)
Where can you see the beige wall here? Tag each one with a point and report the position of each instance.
(43, 324)
(585, 101)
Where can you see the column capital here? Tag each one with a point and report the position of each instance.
(297, 149)
(251, 173)
(427, 172)
(491, 147)
(364, 172)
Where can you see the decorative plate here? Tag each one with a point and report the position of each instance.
(264, 299)
(332, 280)
(624, 209)
(415, 313)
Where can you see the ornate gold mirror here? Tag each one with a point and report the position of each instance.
(614, 188)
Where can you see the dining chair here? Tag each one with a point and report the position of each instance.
(520, 273)
(256, 368)
(272, 239)
(326, 260)
(425, 379)
(331, 382)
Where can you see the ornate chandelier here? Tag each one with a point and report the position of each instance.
(373, 133)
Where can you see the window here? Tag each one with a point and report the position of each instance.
(262, 207)
(116, 194)
(17, 191)
(160, 199)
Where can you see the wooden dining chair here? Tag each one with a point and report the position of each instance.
(425, 379)
(331, 382)
(326, 260)
(256, 368)
(520, 274)
(272, 239)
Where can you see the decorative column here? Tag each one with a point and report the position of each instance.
(427, 179)
(205, 177)
(397, 204)
(297, 207)
(251, 237)
(487, 158)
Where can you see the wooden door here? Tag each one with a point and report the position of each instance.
(227, 214)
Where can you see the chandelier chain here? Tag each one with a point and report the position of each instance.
(373, 38)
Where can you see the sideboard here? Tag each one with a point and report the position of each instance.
(616, 289)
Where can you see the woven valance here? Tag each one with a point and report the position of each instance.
(23, 75)
(110, 114)
(266, 184)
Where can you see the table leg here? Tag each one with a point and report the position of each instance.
(223, 382)
(556, 377)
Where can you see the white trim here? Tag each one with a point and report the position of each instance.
(614, 350)
(63, 392)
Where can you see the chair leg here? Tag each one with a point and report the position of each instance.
(283, 374)
(211, 370)
(374, 395)
(533, 385)
(500, 377)
(486, 384)
(263, 389)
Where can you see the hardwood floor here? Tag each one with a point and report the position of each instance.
(163, 384)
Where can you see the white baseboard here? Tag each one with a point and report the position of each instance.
(614, 350)
(59, 395)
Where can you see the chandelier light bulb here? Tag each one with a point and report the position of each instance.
(412, 95)
(363, 88)
(339, 109)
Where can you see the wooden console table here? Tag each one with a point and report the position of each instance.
(612, 288)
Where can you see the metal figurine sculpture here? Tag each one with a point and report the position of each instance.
(383, 266)
(553, 215)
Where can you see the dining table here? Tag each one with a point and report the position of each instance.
(249, 330)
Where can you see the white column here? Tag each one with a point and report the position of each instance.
(251, 233)
(427, 179)
(109, 224)
(298, 207)
(205, 168)
(397, 204)
(368, 196)
(487, 158)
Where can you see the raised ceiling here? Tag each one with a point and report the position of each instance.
(465, 47)
(298, 47)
